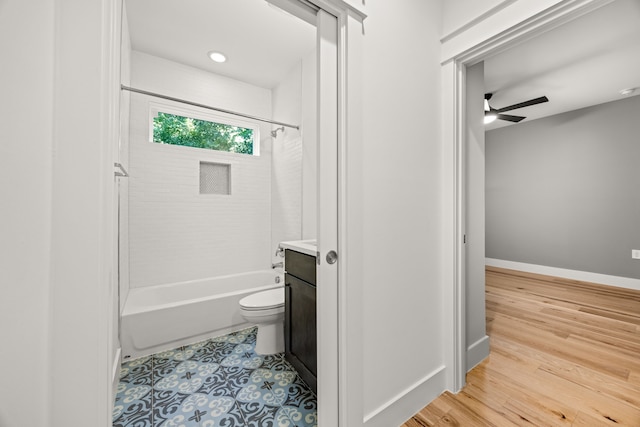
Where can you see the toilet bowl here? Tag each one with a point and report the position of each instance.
(266, 310)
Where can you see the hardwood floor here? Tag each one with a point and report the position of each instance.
(563, 353)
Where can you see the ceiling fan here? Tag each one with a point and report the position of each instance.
(491, 114)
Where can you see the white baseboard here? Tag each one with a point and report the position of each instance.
(406, 404)
(477, 352)
(584, 276)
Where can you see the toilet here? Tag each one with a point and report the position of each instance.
(266, 309)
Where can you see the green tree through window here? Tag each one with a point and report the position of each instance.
(189, 132)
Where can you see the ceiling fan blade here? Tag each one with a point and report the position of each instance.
(524, 104)
(511, 118)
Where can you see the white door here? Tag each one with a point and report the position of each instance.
(328, 258)
(327, 205)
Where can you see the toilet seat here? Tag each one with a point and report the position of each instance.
(273, 298)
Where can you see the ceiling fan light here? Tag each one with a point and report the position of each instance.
(489, 118)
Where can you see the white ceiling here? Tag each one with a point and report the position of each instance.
(579, 64)
(262, 42)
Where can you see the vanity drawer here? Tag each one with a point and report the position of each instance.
(300, 265)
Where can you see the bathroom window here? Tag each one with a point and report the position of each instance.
(198, 130)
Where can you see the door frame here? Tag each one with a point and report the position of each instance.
(454, 154)
(104, 18)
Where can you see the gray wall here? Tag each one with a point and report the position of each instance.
(564, 191)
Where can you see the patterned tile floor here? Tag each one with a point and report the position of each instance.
(219, 382)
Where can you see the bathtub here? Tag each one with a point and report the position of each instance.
(158, 318)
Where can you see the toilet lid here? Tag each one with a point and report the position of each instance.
(273, 298)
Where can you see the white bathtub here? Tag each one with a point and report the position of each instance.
(163, 317)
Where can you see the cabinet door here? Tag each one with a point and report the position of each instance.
(301, 322)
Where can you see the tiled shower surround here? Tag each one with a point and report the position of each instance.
(219, 382)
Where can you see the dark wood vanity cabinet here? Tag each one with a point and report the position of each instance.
(300, 315)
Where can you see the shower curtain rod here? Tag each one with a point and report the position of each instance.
(208, 107)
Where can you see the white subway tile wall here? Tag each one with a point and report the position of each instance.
(177, 234)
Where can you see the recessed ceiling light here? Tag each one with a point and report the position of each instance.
(217, 56)
(627, 92)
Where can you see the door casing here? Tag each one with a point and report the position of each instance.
(453, 141)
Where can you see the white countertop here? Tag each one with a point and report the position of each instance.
(308, 247)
